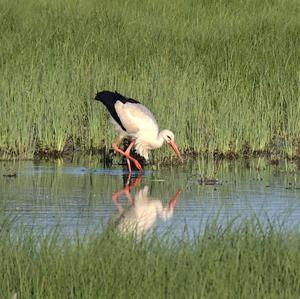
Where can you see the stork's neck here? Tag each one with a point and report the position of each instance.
(154, 142)
(159, 140)
(142, 146)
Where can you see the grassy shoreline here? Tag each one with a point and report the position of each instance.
(223, 75)
(230, 263)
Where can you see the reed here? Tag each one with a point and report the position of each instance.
(223, 75)
(241, 262)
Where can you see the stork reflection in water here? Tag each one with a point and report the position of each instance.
(143, 210)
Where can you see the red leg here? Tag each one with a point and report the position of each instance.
(126, 154)
(128, 165)
(129, 147)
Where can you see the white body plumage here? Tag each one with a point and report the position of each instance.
(142, 126)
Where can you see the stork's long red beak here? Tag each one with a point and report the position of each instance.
(176, 150)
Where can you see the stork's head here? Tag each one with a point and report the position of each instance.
(169, 138)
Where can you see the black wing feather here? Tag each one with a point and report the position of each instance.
(109, 99)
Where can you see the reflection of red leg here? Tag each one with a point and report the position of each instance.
(173, 200)
(136, 182)
(116, 195)
(126, 154)
(126, 192)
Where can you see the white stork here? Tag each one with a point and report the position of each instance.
(135, 121)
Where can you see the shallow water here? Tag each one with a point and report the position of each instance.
(81, 195)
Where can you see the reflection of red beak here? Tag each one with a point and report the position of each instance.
(176, 150)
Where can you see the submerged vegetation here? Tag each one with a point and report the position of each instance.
(245, 262)
(223, 75)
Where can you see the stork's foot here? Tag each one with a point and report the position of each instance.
(137, 164)
(126, 154)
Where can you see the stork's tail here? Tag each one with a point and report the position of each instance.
(106, 97)
(109, 98)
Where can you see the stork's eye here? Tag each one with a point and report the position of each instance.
(169, 138)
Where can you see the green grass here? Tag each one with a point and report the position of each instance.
(244, 262)
(223, 75)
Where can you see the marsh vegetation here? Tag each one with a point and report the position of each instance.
(232, 263)
(223, 75)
